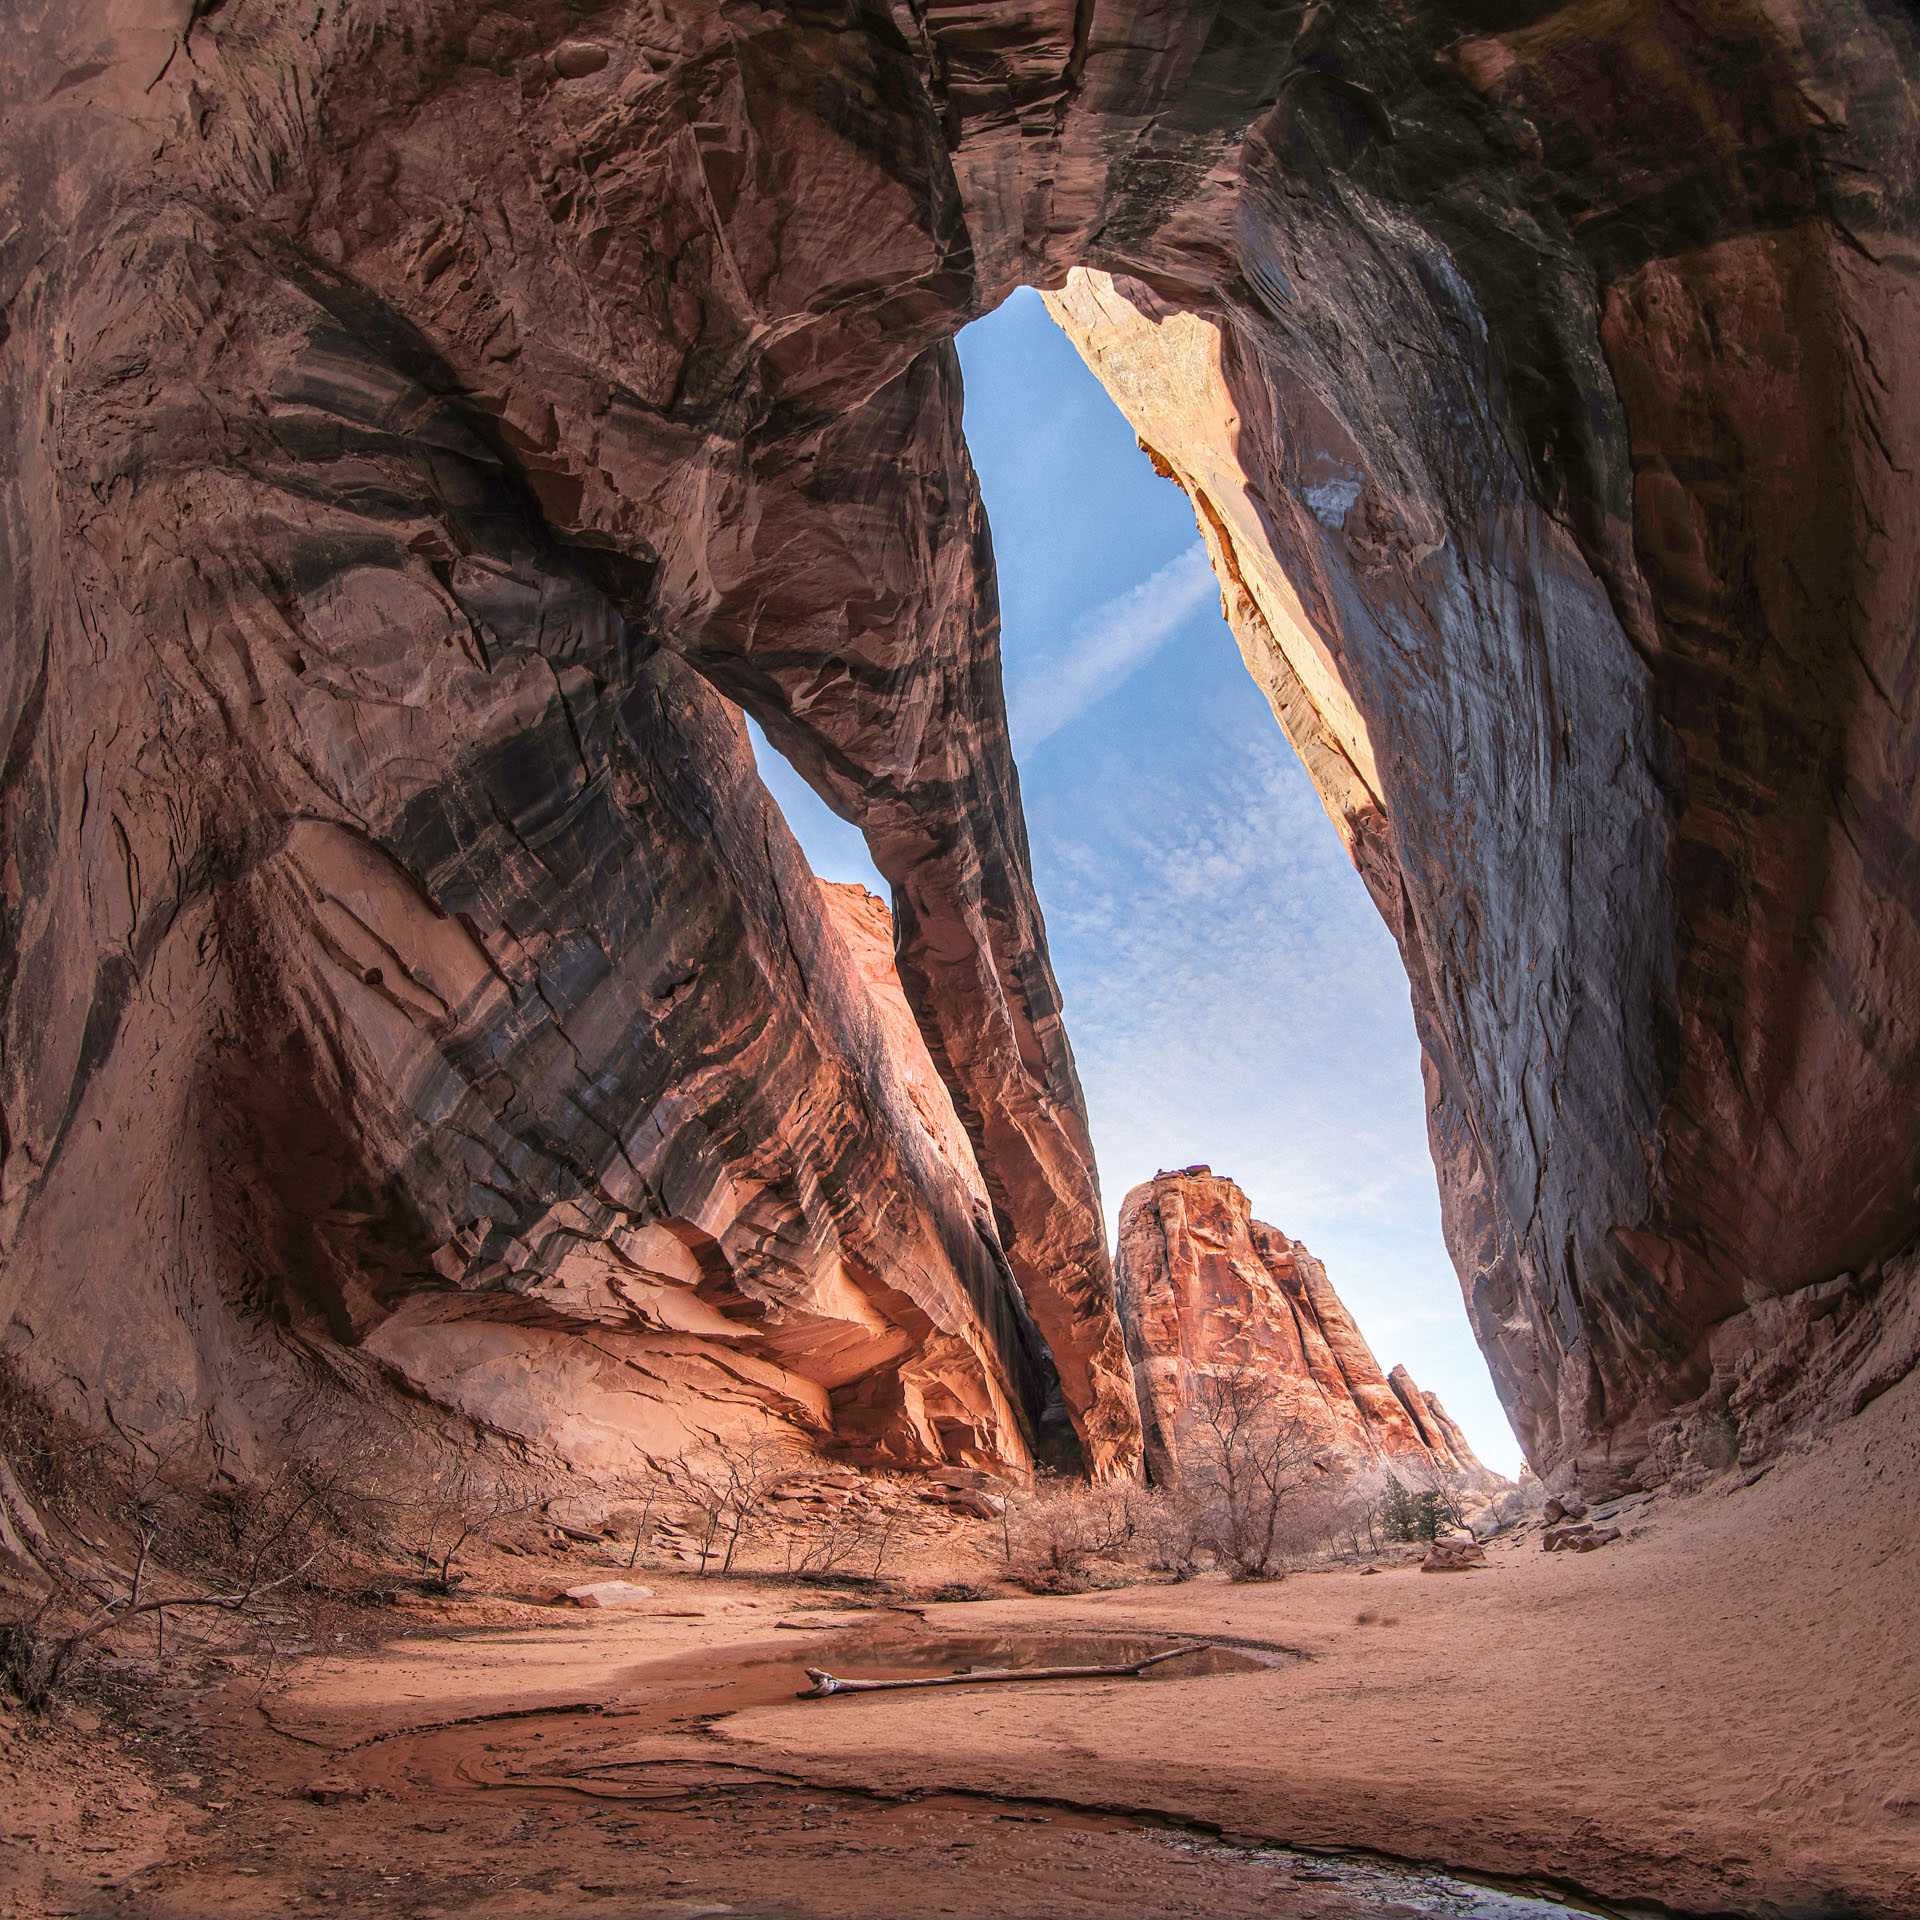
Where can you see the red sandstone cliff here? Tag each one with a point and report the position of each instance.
(1203, 1285)
(419, 420)
(866, 927)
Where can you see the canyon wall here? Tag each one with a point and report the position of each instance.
(1549, 410)
(419, 420)
(1205, 1288)
(425, 423)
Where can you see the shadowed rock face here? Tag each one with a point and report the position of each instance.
(394, 909)
(1206, 1288)
(422, 419)
(1553, 430)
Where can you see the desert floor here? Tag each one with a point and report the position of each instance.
(1720, 1713)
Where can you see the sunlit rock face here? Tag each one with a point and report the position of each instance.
(1207, 1289)
(423, 419)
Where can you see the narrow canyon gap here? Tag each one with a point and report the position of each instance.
(1232, 995)
(425, 425)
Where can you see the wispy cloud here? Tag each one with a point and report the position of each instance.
(1113, 641)
(1233, 997)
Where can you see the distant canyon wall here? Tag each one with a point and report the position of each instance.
(426, 423)
(1206, 1289)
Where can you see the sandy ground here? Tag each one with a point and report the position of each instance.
(1719, 1713)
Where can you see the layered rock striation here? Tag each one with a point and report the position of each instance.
(425, 422)
(1205, 1288)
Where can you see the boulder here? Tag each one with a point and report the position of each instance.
(1582, 1537)
(1454, 1556)
(609, 1594)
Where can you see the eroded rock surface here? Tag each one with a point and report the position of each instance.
(412, 996)
(866, 928)
(421, 418)
(1206, 1288)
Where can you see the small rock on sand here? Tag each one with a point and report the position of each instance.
(609, 1593)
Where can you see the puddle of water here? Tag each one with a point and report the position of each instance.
(1381, 1886)
(904, 1659)
(614, 1764)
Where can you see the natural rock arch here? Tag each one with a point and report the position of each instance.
(418, 410)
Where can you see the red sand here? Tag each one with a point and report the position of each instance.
(1720, 1712)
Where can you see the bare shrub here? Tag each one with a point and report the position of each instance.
(457, 1501)
(1052, 1536)
(853, 1538)
(122, 1537)
(1171, 1532)
(646, 1500)
(1314, 1526)
(1245, 1462)
(726, 1480)
(194, 1549)
(1357, 1523)
(60, 1466)
(1447, 1491)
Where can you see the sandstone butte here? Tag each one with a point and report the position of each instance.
(424, 427)
(1204, 1287)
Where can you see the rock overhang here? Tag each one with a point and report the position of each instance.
(583, 372)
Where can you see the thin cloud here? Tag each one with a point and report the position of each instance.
(1107, 646)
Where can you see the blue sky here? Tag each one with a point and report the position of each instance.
(1231, 995)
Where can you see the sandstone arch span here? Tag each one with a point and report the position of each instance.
(421, 413)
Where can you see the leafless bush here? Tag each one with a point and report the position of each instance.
(1314, 1527)
(889, 1523)
(1172, 1533)
(1357, 1525)
(459, 1498)
(851, 1538)
(1245, 1465)
(59, 1464)
(1052, 1536)
(644, 1502)
(1448, 1489)
(726, 1481)
(194, 1549)
(126, 1536)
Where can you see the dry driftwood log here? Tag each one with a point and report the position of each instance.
(825, 1683)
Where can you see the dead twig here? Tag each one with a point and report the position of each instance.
(825, 1684)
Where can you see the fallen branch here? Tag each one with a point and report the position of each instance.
(825, 1683)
